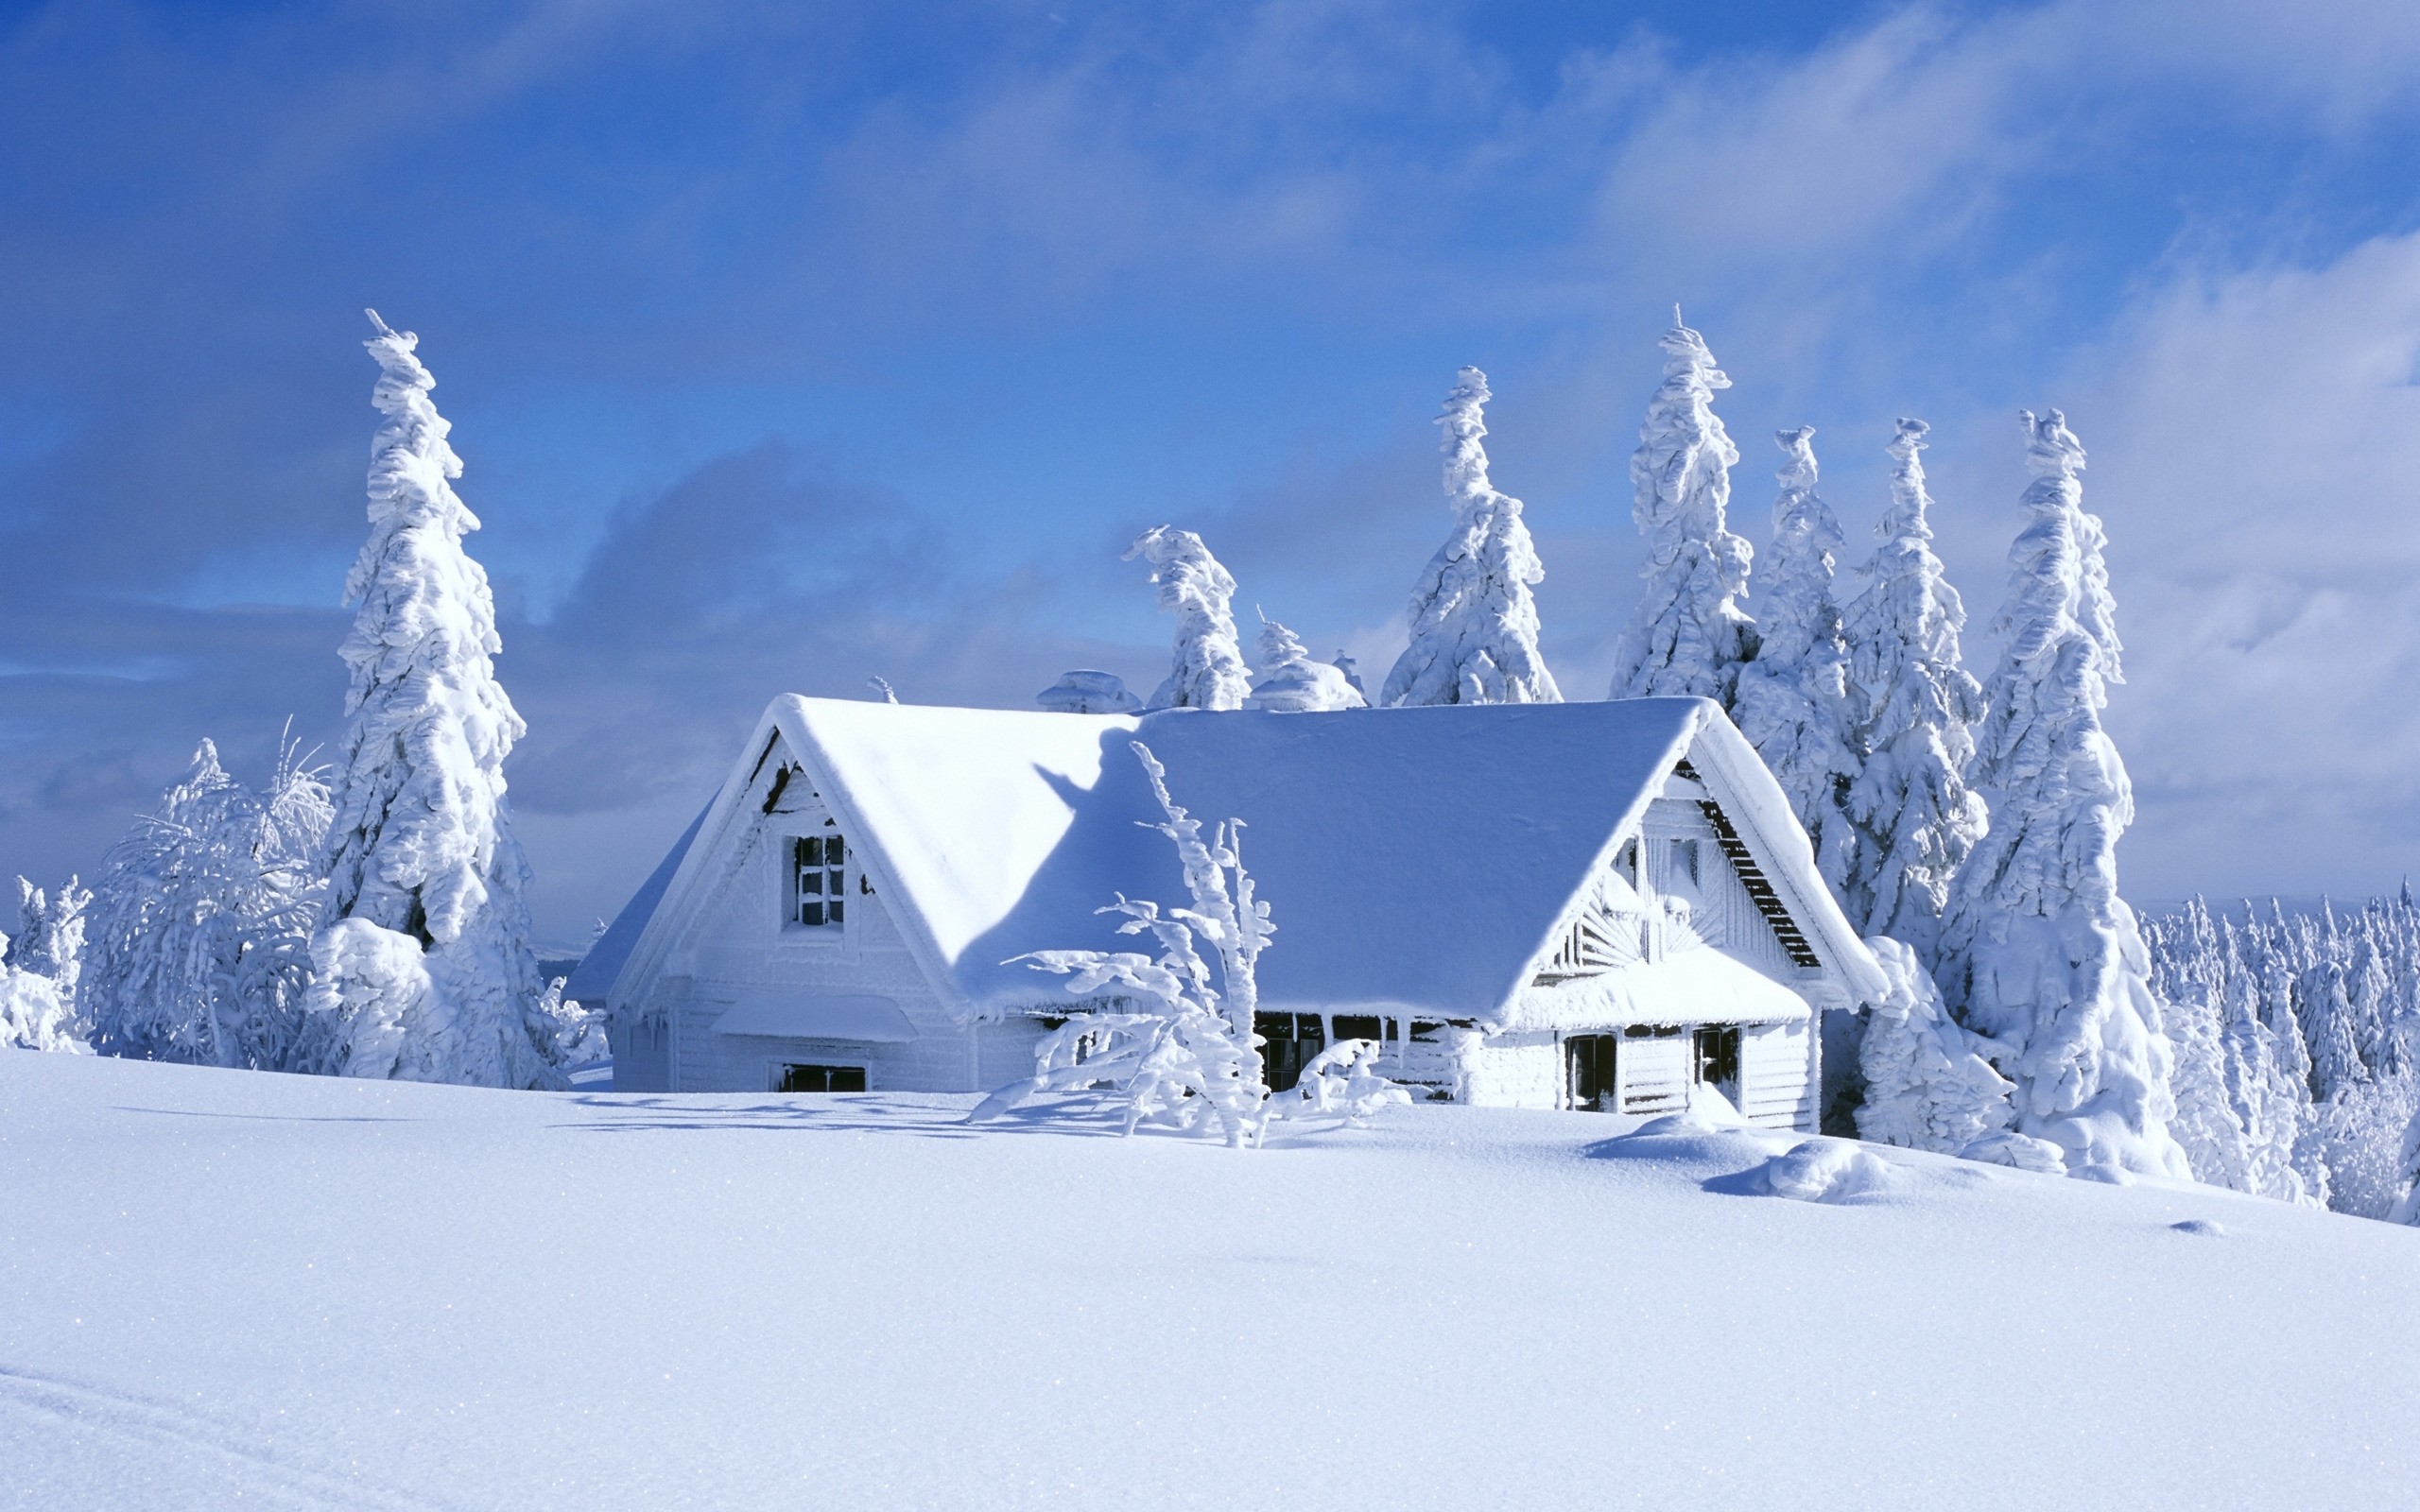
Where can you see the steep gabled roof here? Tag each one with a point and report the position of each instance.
(1415, 860)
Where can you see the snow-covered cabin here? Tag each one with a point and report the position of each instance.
(1592, 905)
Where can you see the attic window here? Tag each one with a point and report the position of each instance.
(819, 874)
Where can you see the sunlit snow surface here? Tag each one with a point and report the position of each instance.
(227, 1288)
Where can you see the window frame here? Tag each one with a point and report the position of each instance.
(835, 884)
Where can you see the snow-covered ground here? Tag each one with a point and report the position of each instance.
(238, 1289)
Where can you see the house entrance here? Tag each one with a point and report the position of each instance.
(1717, 1059)
(1590, 1063)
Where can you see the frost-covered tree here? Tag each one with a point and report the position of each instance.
(50, 935)
(2406, 1207)
(1474, 618)
(1352, 670)
(1792, 702)
(1689, 635)
(1291, 682)
(422, 850)
(2041, 952)
(201, 924)
(1086, 690)
(1916, 710)
(1189, 1057)
(35, 1014)
(1928, 1086)
(1208, 670)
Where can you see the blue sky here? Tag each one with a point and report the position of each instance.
(791, 344)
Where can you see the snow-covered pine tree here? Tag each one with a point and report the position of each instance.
(2406, 1208)
(1792, 702)
(35, 1014)
(2272, 1103)
(1916, 710)
(1928, 1086)
(2327, 1006)
(426, 955)
(50, 937)
(1473, 619)
(1689, 635)
(201, 924)
(1291, 682)
(2040, 951)
(1208, 670)
(1352, 670)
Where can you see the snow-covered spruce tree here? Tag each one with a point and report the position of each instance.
(1291, 682)
(1792, 702)
(426, 955)
(1928, 1086)
(201, 923)
(50, 935)
(35, 1014)
(1473, 619)
(2406, 1208)
(1352, 670)
(1689, 635)
(2040, 953)
(1208, 669)
(1916, 710)
(1189, 1057)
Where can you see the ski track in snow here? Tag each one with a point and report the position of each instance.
(178, 1455)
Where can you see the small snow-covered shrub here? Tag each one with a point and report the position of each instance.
(1343, 1081)
(1086, 690)
(1189, 1060)
(1291, 682)
(200, 926)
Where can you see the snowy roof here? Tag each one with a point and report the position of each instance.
(592, 980)
(1414, 859)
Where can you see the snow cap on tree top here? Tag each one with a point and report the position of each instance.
(1685, 351)
(2052, 450)
(1797, 470)
(1465, 424)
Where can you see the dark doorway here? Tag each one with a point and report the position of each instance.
(1292, 1040)
(1717, 1050)
(820, 1080)
(1595, 1086)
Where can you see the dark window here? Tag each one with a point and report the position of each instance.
(1591, 1057)
(819, 875)
(1291, 1039)
(1718, 1052)
(821, 1079)
(1423, 1032)
(1364, 1027)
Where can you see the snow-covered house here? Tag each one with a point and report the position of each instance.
(1590, 905)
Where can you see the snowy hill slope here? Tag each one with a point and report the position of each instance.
(222, 1288)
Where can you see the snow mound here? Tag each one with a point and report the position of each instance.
(2023, 1151)
(1827, 1171)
